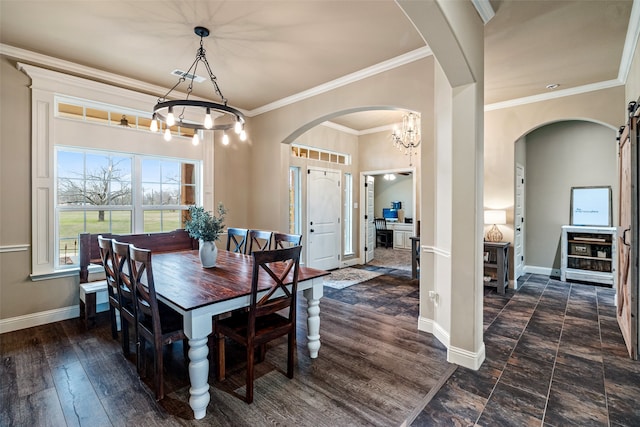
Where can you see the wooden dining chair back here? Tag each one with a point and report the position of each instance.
(283, 240)
(122, 270)
(277, 271)
(259, 241)
(237, 240)
(384, 236)
(106, 258)
(157, 324)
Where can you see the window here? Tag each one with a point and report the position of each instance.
(348, 214)
(294, 201)
(304, 152)
(118, 193)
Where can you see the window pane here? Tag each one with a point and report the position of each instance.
(157, 221)
(170, 194)
(151, 194)
(150, 170)
(170, 172)
(108, 221)
(70, 164)
(70, 191)
(97, 115)
(71, 111)
(70, 225)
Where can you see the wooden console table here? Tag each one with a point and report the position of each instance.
(496, 265)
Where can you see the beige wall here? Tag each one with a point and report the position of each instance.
(19, 295)
(503, 127)
(406, 87)
(632, 88)
(560, 156)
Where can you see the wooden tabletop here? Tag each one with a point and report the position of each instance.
(180, 278)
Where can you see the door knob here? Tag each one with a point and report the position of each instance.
(311, 230)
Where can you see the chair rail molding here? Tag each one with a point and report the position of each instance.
(15, 248)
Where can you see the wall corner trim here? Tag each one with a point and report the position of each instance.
(466, 358)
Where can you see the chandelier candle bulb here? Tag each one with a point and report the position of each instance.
(167, 135)
(225, 138)
(196, 139)
(171, 120)
(154, 124)
(208, 121)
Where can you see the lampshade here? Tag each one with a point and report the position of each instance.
(495, 217)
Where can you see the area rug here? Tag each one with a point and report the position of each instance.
(345, 277)
(399, 259)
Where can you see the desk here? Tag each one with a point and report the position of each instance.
(200, 293)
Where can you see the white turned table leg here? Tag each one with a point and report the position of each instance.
(198, 375)
(313, 322)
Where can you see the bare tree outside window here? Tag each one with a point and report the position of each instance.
(102, 186)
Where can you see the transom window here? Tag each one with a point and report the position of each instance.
(118, 193)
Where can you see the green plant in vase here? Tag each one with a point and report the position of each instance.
(206, 227)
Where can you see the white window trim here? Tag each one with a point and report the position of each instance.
(45, 86)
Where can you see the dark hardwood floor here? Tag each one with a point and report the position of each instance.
(374, 368)
(554, 357)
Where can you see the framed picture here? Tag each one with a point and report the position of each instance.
(591, 206)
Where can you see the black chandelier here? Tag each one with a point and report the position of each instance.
(194, 114)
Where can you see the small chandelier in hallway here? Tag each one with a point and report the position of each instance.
(408, 138)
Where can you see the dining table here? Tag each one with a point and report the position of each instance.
(200, 293)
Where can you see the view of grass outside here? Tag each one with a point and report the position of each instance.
(72, 223)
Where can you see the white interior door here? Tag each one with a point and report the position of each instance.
(370, 227)
(323, 218)
(518, 239)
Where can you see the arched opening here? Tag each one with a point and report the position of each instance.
(551, 159)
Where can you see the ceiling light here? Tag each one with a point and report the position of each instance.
(553, 86)
(195, 114)
(408, 138)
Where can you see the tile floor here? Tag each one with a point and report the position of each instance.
(554, 357)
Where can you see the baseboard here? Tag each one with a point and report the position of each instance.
(466, 358)
(350, 262)
(545, 271)
(428, 325)
(37, 319)
(44, 317)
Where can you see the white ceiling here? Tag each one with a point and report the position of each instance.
(263, 52)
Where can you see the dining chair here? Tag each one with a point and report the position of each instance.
(259, 240)
(106, 257)
(284, 240)
(157, 324)
(384, 236)
(128, 312)
(237, 240)
(267, 318)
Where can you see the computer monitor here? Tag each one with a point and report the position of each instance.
(390, 214)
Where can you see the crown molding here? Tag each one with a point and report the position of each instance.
(485, 10)
(553, 95)
(390, 64)
(631, 42)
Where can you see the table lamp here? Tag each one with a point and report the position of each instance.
(495, 217)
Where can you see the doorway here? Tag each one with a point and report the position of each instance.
(323, 228)
(385, 188)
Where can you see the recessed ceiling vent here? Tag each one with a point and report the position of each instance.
(187, 76)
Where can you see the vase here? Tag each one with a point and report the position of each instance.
(208, 254)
